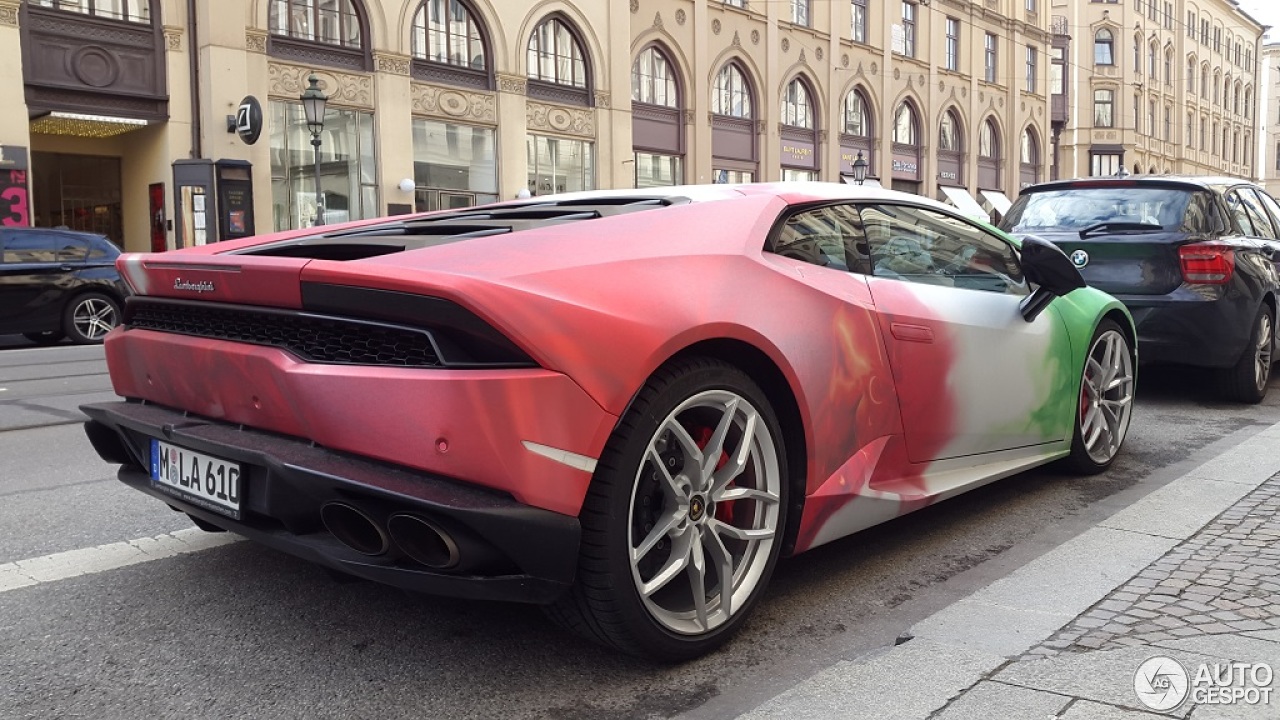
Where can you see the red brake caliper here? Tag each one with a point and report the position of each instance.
(724, 511)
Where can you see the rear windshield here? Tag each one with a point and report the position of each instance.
(1079, 208)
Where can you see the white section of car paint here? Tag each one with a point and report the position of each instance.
(564, 457)
(93, 560)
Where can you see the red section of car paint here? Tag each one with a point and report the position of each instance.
(399, 415)
(246, 280)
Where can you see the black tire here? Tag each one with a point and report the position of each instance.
(1086, 457)
(89, 317)
(606, 603)
(1246, 381)
(52, 337)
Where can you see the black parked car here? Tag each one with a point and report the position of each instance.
(58, 283)
(1194, 259)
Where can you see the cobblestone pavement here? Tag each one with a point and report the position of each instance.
(1224, 579)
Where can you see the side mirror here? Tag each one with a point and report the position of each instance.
(1050, 270)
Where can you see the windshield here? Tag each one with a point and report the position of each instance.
(1080, 208)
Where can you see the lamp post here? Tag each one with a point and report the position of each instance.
(860, 168)
(313, 102)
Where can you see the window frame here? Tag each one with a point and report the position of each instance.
(426, 68)
(283, 44)
(554, 89)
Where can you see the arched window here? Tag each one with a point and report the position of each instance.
(1104, 45)
(1137, 53)
(1152, 69)
(799, 132)
(450, 44)
(1191, 74)
(447, 32)
(137, 11)
(1168, 66)
(1217, 88)
(1248, 102)
(1235, 99)
(1191, 130)
(906, 127)
(653, 81)
(856, 131)
(950, 138)
(989, 140)
(1204, 82)
(857, 118)
(1248, 148)
(797, 108)
(657, 125)
(1030, 150)
(731, 94)
(330, 22)
(556, 56)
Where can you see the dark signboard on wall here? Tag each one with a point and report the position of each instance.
(15, 196)
(235, 199)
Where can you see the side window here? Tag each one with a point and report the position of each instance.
(1199, 211)
(1262, 225)
(926, 246)
(29, 247)
(828, 236)
(1270, 204)
(71, 248)
(1236, 207)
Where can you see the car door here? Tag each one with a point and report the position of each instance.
(30, 276)
(1266, 223)
(972, 375)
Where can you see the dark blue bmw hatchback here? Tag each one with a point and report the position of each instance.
(57, 283)
(1194, 259)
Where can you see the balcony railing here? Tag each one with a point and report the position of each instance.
(1058, 25)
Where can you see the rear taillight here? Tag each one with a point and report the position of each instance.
(1206, 263)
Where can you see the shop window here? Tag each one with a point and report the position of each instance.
(348, 168)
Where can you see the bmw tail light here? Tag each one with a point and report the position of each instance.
(1206, 263)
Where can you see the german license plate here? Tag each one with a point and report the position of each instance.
(202, 480)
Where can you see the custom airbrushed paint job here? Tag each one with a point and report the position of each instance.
(890, 423)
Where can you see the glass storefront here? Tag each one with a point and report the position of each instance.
(559, 165)
(454, 166)
(348, 169)
(733, 176)
(654, 170)
(794, 175)
(80, 192)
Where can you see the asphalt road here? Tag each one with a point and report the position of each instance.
(239, 631)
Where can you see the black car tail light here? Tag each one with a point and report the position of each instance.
(1207, 263)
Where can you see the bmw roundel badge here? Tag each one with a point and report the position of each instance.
(1079, 258)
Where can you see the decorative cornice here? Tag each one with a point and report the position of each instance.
(392, 63)
(559, 119)
(346, 89)
(173, 37)
(255, 41)
(9, 12)
(515, 84)
(453, 104)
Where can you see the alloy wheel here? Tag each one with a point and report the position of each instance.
(1263, 351)
(1106, 396)
(94, 318)
(705, 512)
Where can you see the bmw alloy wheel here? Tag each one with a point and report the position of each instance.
(704, 513)
(94, 316)
(1263, 351)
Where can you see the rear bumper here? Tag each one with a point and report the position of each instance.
(1202, 326)
(530, 553)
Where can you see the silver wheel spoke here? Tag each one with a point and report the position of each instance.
(745, 494)
(738, 462)
(670, 488)
(692, 453)
(724, 568)
(678, 561)
(737, 533)
(698, 578)
(660, 530)
(715, 446)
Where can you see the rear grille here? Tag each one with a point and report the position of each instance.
(313, 338)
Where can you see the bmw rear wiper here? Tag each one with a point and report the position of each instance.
(1119, 227)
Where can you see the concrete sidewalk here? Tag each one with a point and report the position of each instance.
(1191, 572)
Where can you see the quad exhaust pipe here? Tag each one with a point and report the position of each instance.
(354, 528)
(424, 541)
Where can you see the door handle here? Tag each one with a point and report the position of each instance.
(65, 268)
(911, 333)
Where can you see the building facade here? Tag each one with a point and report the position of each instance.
(132, 117)
(1154, 86)
(1269, 115)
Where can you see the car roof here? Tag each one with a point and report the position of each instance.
(1208, 182)
(791, 191)
(60, 231)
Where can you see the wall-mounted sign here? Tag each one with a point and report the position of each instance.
(15, 204)
(249, 120)
(798, 153)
